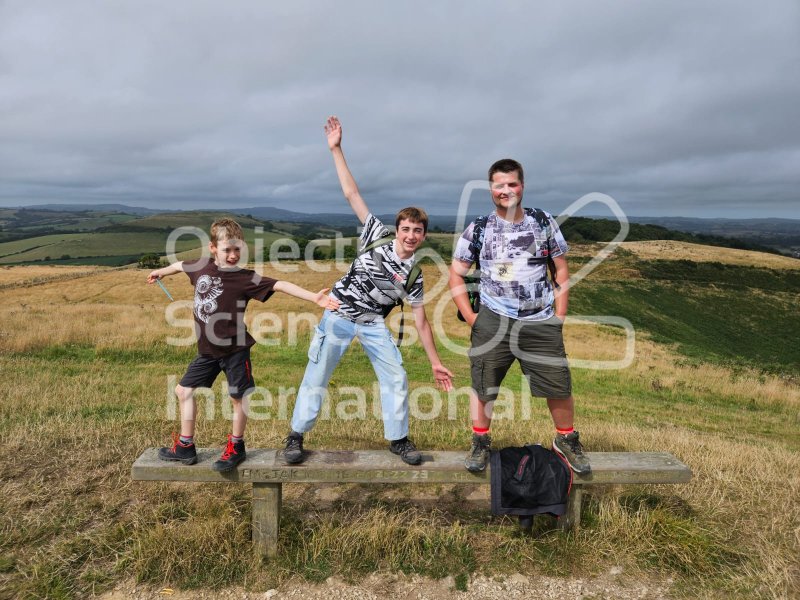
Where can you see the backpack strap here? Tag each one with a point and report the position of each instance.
(413, 276)
(382, 241)
(471, 280)
(478, 234)
(544, 222)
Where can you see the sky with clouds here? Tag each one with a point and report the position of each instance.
(671, 108)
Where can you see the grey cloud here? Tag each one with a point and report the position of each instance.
(673, 108)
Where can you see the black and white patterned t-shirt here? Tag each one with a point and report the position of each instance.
(375, 279)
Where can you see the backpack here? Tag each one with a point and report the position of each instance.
(413, 276)
(472, 280)
(529, 480)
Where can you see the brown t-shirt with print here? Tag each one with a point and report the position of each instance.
(220, 299)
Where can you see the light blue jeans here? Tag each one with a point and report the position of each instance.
(331, 340)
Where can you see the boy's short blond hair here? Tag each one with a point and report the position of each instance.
(225, 229)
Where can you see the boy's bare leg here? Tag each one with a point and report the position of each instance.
(480, 412)
(563, 412)
(188, 408)
(240, 406)
(183, 450)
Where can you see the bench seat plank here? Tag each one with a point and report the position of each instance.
(380, 466)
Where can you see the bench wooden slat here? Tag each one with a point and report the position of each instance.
(376, 466)
(268, 474)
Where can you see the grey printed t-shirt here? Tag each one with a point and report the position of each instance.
(375, 278)
(511, 285)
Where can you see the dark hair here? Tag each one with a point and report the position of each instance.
(506, 165)
(413, 214)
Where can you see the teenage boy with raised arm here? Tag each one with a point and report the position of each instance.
(375, 282)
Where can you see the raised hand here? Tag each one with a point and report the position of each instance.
(333, 129)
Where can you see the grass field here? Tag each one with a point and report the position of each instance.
(13, 276)
(201, 219)
(87, 371)
(14, 221)
(666, 249)
(77, 245)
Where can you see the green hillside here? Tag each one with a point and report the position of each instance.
(169, 221)
(742, 316)
(124, 241)
(18, 223)
(78, 245)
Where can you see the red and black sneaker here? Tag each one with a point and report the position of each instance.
(185, 453)
(231, 456)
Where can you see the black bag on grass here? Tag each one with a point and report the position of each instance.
(529, 480)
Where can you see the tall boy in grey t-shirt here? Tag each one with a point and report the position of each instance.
(521, 315)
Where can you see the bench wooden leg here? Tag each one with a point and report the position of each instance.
(266, 517)
(572, 519)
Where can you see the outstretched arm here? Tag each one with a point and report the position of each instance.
(165, 271)
(321, 298)
(442, 375)
(333, 129)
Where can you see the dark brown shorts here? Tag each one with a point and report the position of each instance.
(498, 341)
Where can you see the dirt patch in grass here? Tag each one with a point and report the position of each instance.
(614, 585)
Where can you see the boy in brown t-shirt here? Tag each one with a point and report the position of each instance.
(221, 292)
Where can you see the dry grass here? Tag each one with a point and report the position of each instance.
(25, 277)
(748, 499)
(116, 309)
(85, 368)
(22, 275)
(671, 250)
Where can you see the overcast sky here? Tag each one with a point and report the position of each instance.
(671, 108)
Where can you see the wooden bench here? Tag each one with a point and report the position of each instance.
(268, 474)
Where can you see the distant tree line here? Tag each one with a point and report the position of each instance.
(583, 230)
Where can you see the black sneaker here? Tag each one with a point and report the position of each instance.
(569, 446)
(185, 453)
(407, 451)
(293, 454)
(479, 453)
(231, 456)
